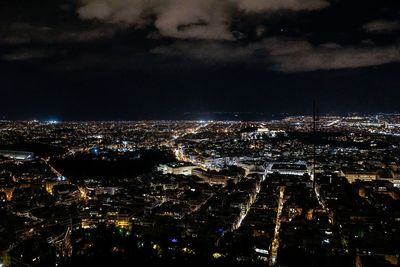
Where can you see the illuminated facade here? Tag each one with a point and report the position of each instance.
(17, 155)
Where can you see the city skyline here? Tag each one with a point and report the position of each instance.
(220, 193)
(205, 117)
(240, 133)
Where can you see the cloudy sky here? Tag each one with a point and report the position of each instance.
(133, 59)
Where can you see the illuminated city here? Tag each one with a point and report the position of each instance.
(211, 133)
(217, 192)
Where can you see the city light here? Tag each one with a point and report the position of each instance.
(200, 132)
(196, 188)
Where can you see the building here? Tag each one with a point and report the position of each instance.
(369, 176)
(366, 176)
(213, 178)
(288, 168)
(17, 155)
(252, 166)
(179, 168)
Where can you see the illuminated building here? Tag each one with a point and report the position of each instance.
(180, 168)
(212, 178)
(9, 192)
(17, 155)
(370, 176)
(352, 176)
(288, 168)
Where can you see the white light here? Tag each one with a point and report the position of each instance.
(262, 251)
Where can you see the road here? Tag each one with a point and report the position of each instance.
(179, 154)
(275, 241)
(57, 173)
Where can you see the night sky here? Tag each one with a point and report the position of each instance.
(165, 59)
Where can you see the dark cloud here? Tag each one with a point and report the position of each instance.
(29, 54)
(285, 55)
(382, 26)
(301, 56)
(188, 19)
(22, 33)
(209, 52)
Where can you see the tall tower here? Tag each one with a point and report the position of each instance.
(315, 119)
